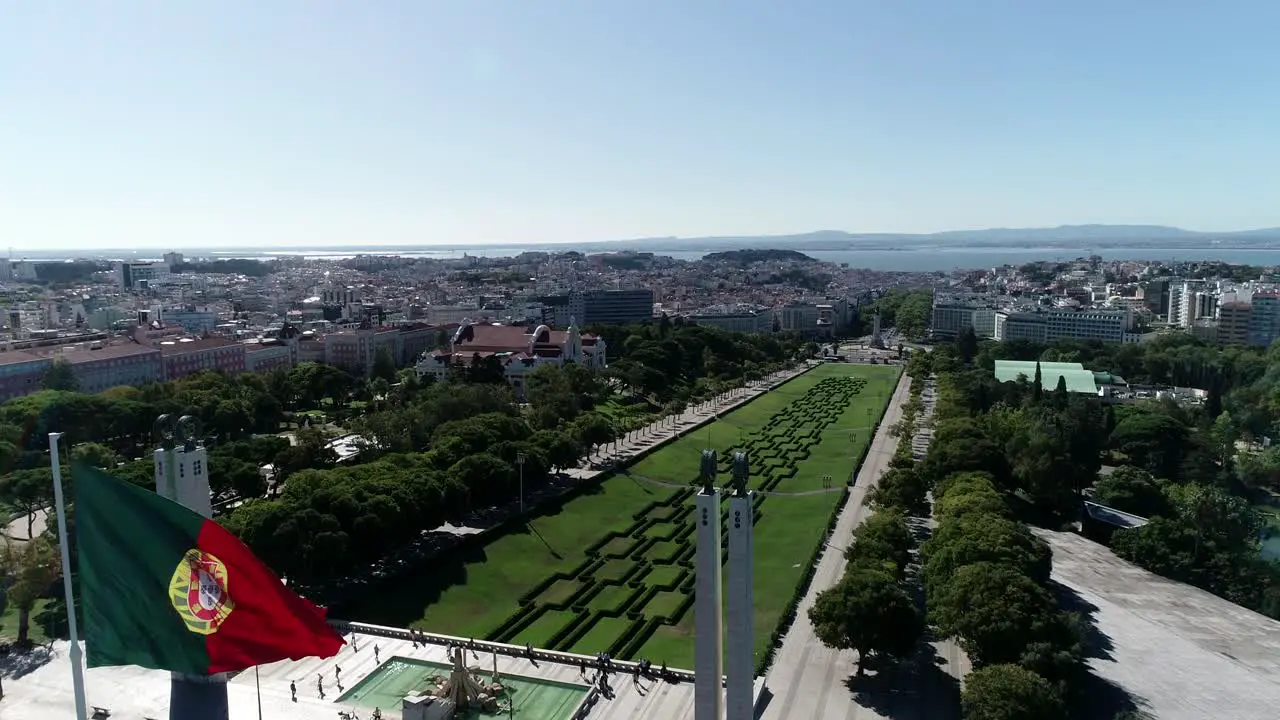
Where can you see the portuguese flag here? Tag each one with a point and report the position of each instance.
(162, 587)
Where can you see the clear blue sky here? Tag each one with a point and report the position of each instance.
(310, 122)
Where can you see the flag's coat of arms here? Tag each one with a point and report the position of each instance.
(198, 591)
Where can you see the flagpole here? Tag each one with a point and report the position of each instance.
(257, 687)
(77, 669)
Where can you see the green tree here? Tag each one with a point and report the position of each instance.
(1009, 692)
(1132, 490)
(60, 376)
(1222, 437)
(31, 567)
(562, 448)
(900, 489)
(1151, 441)
(883, 541)
(966, 345)
(95, 455)
(384, 365)
(976, 538)
(994, 611)
(869, 612)
(28, 491)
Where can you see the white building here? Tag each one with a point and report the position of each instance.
(1064, 324)
(518, 349)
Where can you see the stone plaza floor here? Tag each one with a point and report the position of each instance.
(131, 693)
(1168, 649)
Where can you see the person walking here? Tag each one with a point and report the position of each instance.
(293, 691)
(320, 685)
(376, 661)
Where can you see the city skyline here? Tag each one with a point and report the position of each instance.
(442, 124)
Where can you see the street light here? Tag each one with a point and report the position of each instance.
(520, 463)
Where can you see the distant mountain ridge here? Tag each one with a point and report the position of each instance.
(1082, 236)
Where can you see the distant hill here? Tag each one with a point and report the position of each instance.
(1081, 236)
(745, 257)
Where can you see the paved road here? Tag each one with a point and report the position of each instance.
(808, 680)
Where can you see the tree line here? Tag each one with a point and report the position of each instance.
(1008, 455)
(430, 453)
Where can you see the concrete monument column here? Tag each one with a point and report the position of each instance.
(708, 652)
(182, 475)
(740, 662)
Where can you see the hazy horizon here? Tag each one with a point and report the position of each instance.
(433, 123)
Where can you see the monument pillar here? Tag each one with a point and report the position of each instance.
(739, 702)
(182, 475)
(708, 652)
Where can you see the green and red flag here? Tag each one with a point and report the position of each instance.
(162, 587)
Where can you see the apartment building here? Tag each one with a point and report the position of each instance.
(100, 366)
(265, 356)
(20, 373)
(1233, 323)
(185, 356)
(746, 322)
(1264, 319)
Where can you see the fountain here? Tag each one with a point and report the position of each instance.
(464, 689)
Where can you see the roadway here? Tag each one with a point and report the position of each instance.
(809, 680)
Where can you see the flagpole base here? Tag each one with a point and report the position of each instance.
(198, 697)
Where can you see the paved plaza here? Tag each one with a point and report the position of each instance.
(1176, 652)
(132, 693)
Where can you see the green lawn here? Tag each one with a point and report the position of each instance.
(794, 436)
(9, 623)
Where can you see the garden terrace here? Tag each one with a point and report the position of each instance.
(611, 570)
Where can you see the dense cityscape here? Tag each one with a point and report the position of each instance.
(568, 360)
(1004, 467)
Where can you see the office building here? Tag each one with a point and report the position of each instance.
(1064, 324)
(1014, 326)
(130, 275)
(1264, 319)
(599, 307)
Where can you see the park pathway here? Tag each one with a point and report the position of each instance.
(669, 428)
(809, 680)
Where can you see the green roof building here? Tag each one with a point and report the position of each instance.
(1078, 379)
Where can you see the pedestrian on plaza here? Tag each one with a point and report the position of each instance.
(320, 685)
(375, 655)
(293, 691)
(337, 673)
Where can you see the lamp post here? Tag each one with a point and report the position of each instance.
(520, 464)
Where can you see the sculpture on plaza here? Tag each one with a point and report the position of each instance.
(463, 686)
(707, 471)
(741, 471)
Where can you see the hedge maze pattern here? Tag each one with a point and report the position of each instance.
(635, 580)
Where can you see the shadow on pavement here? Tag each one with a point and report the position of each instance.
(1097, 644)
(1095, 696)
(15, 663)
(919, 689)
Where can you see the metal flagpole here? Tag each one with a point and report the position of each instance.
(257, 687)
(77, 669)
